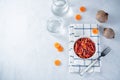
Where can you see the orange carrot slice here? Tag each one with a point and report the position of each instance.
(60, 49)
(57, 45)
(95, 30)
(57, 62)
(78, 17)
(82, 9)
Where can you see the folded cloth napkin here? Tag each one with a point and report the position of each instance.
(76, 31)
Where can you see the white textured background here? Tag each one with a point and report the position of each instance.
(26, 48)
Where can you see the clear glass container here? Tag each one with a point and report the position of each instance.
(60, 7)
(54, 25)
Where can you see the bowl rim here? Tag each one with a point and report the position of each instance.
(91, 40)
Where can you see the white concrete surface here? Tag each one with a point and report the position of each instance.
(26, 48)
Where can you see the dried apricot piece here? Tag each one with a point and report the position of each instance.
(78, 17)
(82, 9)
(57, 62)
(95, 30)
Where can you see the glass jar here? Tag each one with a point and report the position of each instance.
(60, 7)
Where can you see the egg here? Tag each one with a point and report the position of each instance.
(109, 33)
(102, 16)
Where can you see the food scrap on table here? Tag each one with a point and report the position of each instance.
(58, 46)
(82, 9)
(57, 62)
(95, 31)
(78, 17)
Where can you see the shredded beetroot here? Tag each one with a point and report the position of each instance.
(84, 47)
